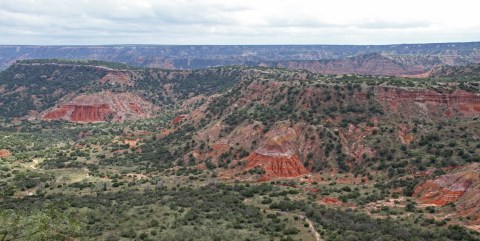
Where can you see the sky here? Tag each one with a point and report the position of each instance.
(93, 22)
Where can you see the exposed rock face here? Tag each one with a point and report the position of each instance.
(441, 191)
(404, 135)
(276, 156)
(287, 150)
(117, 77)
(244, 135)
(471, 70)
(461, 187)
(277, 166)
(183, 57)
(428, 102)
(178, 119)
(5, 153)
(369, 64)
(100, 107)
(80, 113)
(352, 142)
(211, 134)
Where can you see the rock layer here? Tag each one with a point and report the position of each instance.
(276, 166)
(367, 64)
(276, 156)
(352, 142)
(101, 107)
(461, 187)
(402, 100)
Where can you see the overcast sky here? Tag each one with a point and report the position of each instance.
(238, 21)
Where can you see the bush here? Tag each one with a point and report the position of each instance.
(129, 233)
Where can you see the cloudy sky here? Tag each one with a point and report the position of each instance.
(238, 21)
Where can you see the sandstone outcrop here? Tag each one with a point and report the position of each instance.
(276, 156)
(352, 142)
(101, 107)
(404, 135)
(428, 102)
(461, 187)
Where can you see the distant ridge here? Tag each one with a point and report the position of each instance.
(203, 56)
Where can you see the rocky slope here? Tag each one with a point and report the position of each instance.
(101, 107)
(369, 64)
(470, 70)
(418, 102)
(277, 155)
(265, 124)
(91, 91)
(460, 187)
(290, 125)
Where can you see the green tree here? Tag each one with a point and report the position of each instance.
(39, 225)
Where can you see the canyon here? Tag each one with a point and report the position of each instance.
(397, 59)
(341, 139)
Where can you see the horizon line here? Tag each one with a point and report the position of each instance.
(179, 45)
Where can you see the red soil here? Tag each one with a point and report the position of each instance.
(89, 113)
(5, 153)
(101, 107)
(276, 156)
(436, 195)
(57, 113)
(459, 102)
(178, 119)
(276, 166)
(135, 108)
(331, 200)
(461, 186)
(78, 113)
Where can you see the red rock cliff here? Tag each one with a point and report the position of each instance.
(276, 156)
(100, 107)
(457, 103)
(461, 187)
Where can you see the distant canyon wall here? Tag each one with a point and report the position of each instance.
(403, 59)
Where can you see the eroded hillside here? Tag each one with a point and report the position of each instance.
(247, 151)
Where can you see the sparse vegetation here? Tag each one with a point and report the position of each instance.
(155, 180)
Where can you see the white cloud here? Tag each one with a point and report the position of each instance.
(237, 21)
